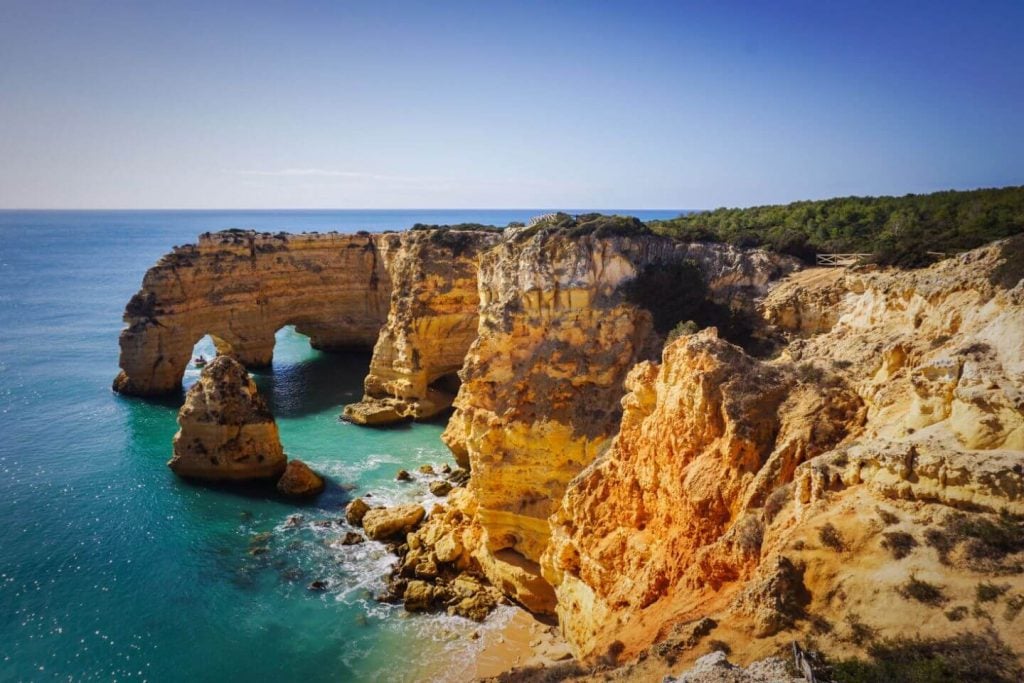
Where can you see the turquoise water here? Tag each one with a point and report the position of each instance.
(112, 568)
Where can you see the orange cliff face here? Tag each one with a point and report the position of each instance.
(791, 498)
(431, 323)
(654, 529)
(543, 380)
(226, 430)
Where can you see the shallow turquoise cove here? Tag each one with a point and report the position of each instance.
(112, 568)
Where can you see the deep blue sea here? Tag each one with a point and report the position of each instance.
(113, 569)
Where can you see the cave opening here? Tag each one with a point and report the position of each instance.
(448, 383)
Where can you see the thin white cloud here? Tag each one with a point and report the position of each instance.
(329, 173)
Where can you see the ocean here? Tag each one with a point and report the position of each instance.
(111, 568)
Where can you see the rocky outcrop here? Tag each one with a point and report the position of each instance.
(431, 323)
(240, 287)
(226, 431)
(543, 380)
(299, 481)
(437, 572)
(799, 494)
(385, 523)
(658, 523)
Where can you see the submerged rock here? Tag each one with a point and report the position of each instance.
(300, 481)
(352, 538)
(226, 430)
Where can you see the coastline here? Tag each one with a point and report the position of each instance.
(511, 637)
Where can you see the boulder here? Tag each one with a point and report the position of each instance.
(300, 481)
(448, 548)
(418, 596)
(355, 511)
(226, 430)
(384, 523)
(440, 488)
(403, 475)
(352, 538)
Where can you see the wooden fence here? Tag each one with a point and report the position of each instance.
(537, 219)
(838, 260)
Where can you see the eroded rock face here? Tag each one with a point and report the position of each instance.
(543, 380)
(243, 286)
(226, 431)
(299, 481)
(384, 523)
(704, 436)
(431, 323)
(240, 287)
(771, 496)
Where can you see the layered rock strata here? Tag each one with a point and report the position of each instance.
(543, 379)
(431, 323)
(240, 287)
(864, 468)
(411, 297)
(226, 431)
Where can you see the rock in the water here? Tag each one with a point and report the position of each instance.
(440, 488)
(318, 585)
(374, 413)
(403, 475)
(426, 469)
(418, 596)
(352, 538)
(383, 523)
(300, 481)
(355, 511)
(227, 431)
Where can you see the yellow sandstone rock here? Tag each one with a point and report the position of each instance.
(226, 431)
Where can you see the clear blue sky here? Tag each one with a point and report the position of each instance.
(483, 104)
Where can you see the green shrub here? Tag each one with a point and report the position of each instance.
(922, 591)
(985, 539)
(965, 657)
(897, 230)
(899, 543)
(831, 538)
(687, 327)
(989, 592)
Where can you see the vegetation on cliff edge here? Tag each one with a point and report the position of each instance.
(897, 230)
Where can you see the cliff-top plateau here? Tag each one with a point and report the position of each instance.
(672, 447)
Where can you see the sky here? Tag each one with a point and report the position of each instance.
(555, 104)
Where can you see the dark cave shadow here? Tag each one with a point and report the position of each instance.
(325, 380)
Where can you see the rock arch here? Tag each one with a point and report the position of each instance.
(412, 297)
(240, 287)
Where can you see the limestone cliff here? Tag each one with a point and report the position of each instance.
(432, 320)
(543, 379)
(241, 287)
(226, 431)
(861, 469)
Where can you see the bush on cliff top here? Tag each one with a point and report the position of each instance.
(897, 230)
(596, 224)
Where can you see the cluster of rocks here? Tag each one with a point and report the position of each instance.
(438, 487)
(435, 572)
(227, 433)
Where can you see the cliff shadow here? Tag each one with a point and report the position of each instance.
(321, 381)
